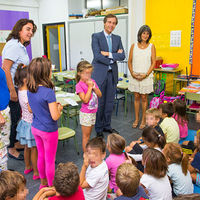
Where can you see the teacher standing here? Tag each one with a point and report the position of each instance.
(107, 50)
(141, 62)
(14, 53)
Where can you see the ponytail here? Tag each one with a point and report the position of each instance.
(20, 75)
(174, 152)
(161, 140)
(184, 163)
(151, 135)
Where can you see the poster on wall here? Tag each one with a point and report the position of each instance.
(8, 20)
(3, 36)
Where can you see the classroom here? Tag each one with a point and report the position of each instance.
(99, 99)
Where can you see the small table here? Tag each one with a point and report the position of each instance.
(61, 100)
(175, 73)
(66, 75)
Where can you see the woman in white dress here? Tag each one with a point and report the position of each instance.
(141, 61)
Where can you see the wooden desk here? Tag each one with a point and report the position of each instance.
(174, 72)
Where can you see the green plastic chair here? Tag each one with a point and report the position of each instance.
(65, 133)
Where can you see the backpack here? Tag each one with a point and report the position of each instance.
(156, 101)
(159, 86)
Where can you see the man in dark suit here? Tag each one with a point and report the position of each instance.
(107, 49)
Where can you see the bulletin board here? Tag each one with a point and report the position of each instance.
(195, 39)
(8, 20)
(3, 35)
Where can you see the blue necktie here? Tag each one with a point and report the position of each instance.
(109, 44)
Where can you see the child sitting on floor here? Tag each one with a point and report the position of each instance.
(115, 145)
(12, 186)
(169, 124)
(151, 138)
(66, 184)
(155, 180)
(181, 118)
(128, 179)
(94, 176)
(194, 166)
(153, 119)
(178, 169)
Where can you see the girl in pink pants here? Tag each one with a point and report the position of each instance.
(46, 112)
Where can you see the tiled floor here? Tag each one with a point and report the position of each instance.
(67, 153)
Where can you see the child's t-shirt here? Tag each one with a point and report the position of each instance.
(92, 105)
(98, 180)
(113, 162)
(181, 184)
(78, 195)
(23, 101)
(4, 91)
(39, 103)
(183, 126)
(141, 195)
(196, 161)
(170, 129)
(158, 188)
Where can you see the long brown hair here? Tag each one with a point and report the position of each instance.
(180, 110)
(116, 143)
(174, 152)
(18, 27)
(39, 71)
(81, 67)
(154, 162)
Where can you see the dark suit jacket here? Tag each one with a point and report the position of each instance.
(100, 62)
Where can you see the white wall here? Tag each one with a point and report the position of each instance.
(76, 6)
(30, 6)
(51, 11)
(136, 18)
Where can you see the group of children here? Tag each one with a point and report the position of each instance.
(153, 167)
(38, 130)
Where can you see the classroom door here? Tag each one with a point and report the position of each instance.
(55, 37)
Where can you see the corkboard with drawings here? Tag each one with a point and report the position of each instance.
(3, 35)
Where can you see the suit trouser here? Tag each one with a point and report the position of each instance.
(106, 103)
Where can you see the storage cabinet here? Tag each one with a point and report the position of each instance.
(80, 36)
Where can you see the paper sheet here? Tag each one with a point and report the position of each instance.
(71, 102)
(65, 95)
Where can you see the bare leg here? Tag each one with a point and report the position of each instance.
(27, 157)
(194, 177)
(44, 181)
(86, 132)
(144, 108)
(13, 151)
(137, 107)
(34, 156)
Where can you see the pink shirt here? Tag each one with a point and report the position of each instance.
(92, 105)
(113, 162)
(23, 101)
(183, 126)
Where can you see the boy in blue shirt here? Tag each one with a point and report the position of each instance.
(128, 180)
